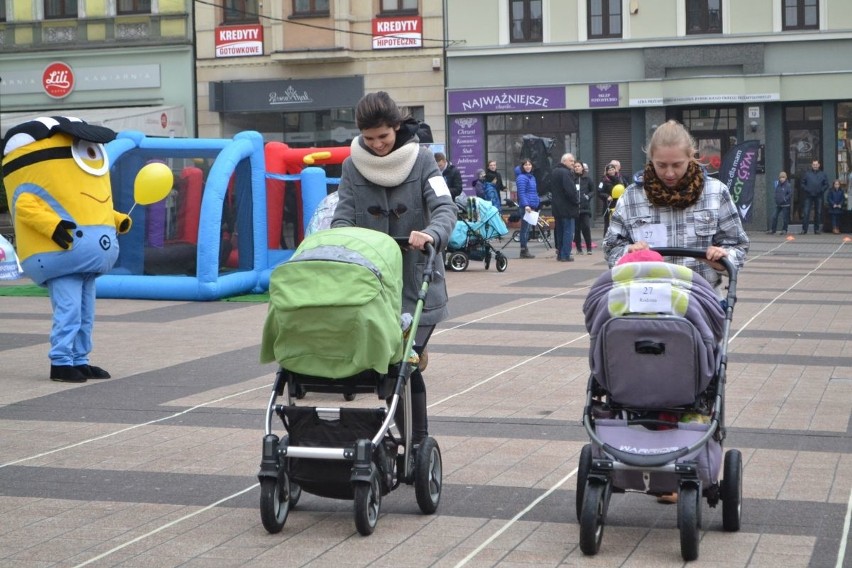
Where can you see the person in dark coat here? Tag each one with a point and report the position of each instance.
(783, 200)
(814, 184)
(565, 205)
(391, 184)
(451, 174)
(583, 225)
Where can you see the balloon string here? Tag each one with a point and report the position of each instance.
(131, 209)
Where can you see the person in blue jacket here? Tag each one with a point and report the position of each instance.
(527, 201)
(783, 200)
(835, 205)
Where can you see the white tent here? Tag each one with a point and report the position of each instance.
(164, 121)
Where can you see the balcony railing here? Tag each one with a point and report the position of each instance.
(95, 32)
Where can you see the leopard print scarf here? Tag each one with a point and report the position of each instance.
(687, 191)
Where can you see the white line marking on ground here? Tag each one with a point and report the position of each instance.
(506, 370)
(129, 428)
(165, 526)
(779, 296)
(507, 310)
(841, 552)
(515, 519)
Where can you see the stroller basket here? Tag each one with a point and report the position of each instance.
(310, 427)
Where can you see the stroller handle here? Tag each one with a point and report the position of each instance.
(700, 254)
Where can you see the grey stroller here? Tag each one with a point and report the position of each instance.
(655, 398)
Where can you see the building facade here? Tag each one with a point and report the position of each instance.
(126, 64)
(595, 77)
(295, 69)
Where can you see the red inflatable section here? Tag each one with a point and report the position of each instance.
(281, 159)
(190, 187)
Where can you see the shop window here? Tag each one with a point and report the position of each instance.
(60, 9)
(133, 7)
(715, 132)
(526, 21)
(310, 7)
(2, 11)
(803, 145)
(240, 11)
(393, 7)
(703, 16)
(800, 15)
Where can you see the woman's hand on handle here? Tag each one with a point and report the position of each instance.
(418, 239)
(713, 255)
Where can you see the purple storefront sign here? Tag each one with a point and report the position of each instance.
(467, 147)
(603, 95)
(506, 100)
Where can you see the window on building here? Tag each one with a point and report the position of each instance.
(399, 6)
(801, 15)
(604, 18)
(310, 7)
(240, 11)
(133, 6)
(60, 9)
(2, 11)
(703, 16)
(526, 21)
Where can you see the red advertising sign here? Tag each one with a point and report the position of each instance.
(239, 41)
(57, 80)
(394, 33)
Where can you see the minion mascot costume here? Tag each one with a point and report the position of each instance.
(56, 174)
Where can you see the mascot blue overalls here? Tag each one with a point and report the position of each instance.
(56, 174)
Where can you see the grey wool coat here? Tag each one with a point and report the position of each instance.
(412, 203)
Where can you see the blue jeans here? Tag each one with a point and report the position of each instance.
(525, 230)
(565, 230)
(784, 214)
(814, 203)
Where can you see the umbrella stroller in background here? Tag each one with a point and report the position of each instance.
(655, 398)
(479, 222)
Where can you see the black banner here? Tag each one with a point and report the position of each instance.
(738, 171)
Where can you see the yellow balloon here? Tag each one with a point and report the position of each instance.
(617, 191)
(153, 183)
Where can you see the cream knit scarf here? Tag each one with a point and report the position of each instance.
(386, 171)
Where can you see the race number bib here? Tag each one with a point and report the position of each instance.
(655, 234)
(650, 298)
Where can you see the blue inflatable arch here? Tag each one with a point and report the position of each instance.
(237, 163)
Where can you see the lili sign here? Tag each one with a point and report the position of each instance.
(57, 80)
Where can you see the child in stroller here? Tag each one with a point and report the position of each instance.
(478, 223)
(655, 397)
(344, 339)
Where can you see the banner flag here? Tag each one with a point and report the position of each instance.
(738, 171)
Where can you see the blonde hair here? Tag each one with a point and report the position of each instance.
(672, 134)
(782, 175)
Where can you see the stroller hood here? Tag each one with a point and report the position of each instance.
(334, 307)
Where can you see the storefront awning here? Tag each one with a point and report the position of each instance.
(164, 121)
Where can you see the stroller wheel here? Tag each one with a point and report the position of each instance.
(592, 517)
(295, 493)
(368, 503)
(349, 397)
(689, 521)
(428, 476)
(458, 261)
(516, 236)
(502, 262)
(732, 491)
(583, 469)
(275, 501)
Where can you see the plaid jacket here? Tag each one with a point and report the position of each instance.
(712, 220)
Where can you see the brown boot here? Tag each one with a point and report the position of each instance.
(526, 254)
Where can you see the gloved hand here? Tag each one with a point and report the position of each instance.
(61, 236)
